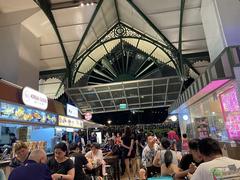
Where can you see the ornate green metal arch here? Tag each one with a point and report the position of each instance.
(121, 30)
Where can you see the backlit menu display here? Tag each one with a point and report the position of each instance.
(15, 112)
(231, 113)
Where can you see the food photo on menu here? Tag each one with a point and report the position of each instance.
(15, 112)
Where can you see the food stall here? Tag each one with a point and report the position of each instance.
(67, 126)
(23, 121)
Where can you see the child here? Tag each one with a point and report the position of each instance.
(142, 174)
(185, 147)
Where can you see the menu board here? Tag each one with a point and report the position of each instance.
(21, 113)
(69, 122)
(231, 113)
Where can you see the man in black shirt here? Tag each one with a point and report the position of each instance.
(189, 162)
(80, 162)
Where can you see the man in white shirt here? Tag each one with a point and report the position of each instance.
(215, 166)
(95, 157)
(148, 154)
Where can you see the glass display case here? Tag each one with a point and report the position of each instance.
(207, 118)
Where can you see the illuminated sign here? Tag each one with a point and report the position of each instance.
(72, 111)
(69, 122)
(24, 114)
(123, 106)
(231, 113)
(88, 116)
(34, 98)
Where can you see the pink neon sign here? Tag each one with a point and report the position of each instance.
(231, 113)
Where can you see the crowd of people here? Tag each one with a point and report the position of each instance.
(140, 155)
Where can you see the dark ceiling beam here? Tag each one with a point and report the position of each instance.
(121, 41)
(189, 40)
(86, 31)
(158, 69)
(101, 40)
(199, 56)
(173, 10)
(50, 72)
(70, 4)
(144, 61)
(127, 60)
(117, 11)
(105, 48)
(180, 37)
(191, 67)
(138, 42)
(143, 37)
(45, 5)
(173, 49)
(74, 24)
(181, 60)
(146, 68)
(118, 64)
(89, 50)
(106, 64)
(85, 54)
(57, 73)
(177, 26)
(152, 25)
(102, 74)
(101, 79)
(51, 58)
(64, 5)
(95, 61)
(170, 46)
(100, 66)
(77, 40)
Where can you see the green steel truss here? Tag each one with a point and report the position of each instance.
(118, 31)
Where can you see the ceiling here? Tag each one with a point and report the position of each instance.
(72, 22)
(78, 36)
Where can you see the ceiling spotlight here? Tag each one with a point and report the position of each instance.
(109, 121)
(81, 4)
(87, 4)
(185, 117)
(173, 118)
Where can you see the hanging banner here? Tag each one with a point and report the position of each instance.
(34, 98)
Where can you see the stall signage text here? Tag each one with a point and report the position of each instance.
(72, 111)
(69, 122)
(34, 98)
